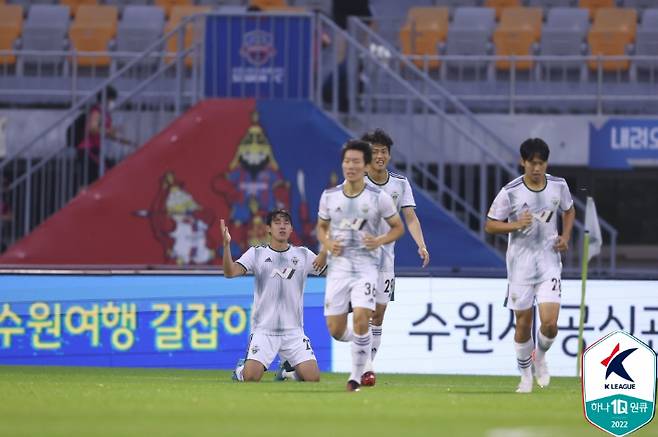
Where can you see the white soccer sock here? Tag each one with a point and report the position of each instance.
(376, 340)
(238, 373)
(543, 345)
(291, 375)
(347, 336)
(360, 354)
(524, 357)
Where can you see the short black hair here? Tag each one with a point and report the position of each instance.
(276, 212)
(378, 136)
(534, 147)
(360, 145)
(110, 94)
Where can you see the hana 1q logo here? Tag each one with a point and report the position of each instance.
(624, 143)
(619, 383)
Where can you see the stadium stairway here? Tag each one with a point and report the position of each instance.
(224, 158)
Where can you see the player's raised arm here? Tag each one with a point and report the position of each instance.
(231, 268)
(413, 224)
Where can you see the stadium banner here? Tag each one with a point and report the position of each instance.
(178, 320)
(459, 325)
(258, 55)
(624, 144)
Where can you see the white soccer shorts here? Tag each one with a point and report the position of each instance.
(523, 296)
(293, 346)
(342, 288)
(385, 287)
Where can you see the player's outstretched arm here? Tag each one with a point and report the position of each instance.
(413, 224)
(500, 227)
(568, 218)
(231, 268)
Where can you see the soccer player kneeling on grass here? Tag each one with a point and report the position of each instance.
(280, 271)
(348, 222)
(526, 209)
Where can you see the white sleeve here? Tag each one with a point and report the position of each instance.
(323, 210)
(386, 205)
(566, 202)
(248, 259)
(310, 257)
(500, 208)
(407, 199)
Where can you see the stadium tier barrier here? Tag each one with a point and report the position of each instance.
(186, 319)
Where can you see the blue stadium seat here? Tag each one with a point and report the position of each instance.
(563, 35)
(140, 27)
(646, 43)
(45, 29)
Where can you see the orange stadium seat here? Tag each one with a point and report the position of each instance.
(93, 28)
(424, 29)
(178, 13)
(11, 26)
(613, 29)
(499, 5)
(75, 4)
(518, 30)
(594, 5)
(167, 5)
(269, 4)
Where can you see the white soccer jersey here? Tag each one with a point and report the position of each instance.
(398, 187)
(531, 257)
(279, 279)
(351, 219)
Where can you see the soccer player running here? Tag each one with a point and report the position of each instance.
(280, 270)
(526, 209)
(348, 227)
(399, 189)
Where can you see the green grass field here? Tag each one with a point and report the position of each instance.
(72, 401)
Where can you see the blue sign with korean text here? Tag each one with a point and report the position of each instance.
(624, 144)
(258, 55)
(146, 320)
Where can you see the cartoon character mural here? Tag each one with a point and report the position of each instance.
(253, 185)
(180, 224)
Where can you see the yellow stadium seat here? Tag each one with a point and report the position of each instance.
(167, 5)
(518, 30)
(424, 29)
(499, 5)
(93, 28)
(178, 13)
(11, 26)
(75, 4)
(613, 29)
(269, 4)
(594, 5)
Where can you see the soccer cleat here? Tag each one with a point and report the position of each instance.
(234, 376)
(353, 385)
(368, 379)
(540, 369)
(280, 373)
(525, 386)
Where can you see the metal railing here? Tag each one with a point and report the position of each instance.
(462, 176)
(44, 174)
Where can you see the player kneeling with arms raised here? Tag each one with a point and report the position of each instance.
(280, 270)
(527, 209)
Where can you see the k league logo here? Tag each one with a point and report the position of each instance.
(619, 383)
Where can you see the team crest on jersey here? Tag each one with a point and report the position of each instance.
(395, 196)
(555, 202)
(295, 260)
(365, 209)
(339, 209)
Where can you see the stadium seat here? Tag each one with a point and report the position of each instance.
(456, 3)
(594, 5)
(424, 29)
(177, 15)
(75, 4)
(396, 9)
(469, 34)
(268, 4)
(121, 4)
(564, 34)
(93, 29)
(647, 41)
(139, 27)
(547, 4)
(11, 26)
(499, 5)
(46, 29)
(518, 31)
(640, 4)
(167, 5)
(612, 31)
